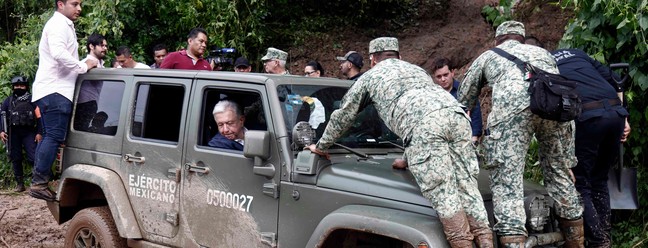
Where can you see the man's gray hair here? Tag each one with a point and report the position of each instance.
(224, 105)
(282, 63)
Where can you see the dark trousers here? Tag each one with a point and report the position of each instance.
(597, 149)
(21, 137)
(55, 119)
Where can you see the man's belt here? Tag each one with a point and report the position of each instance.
(601, 104)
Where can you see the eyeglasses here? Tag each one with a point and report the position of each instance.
(307, 73)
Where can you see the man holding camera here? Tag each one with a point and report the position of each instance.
(191, 58)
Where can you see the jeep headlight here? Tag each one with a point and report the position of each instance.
(537, 211)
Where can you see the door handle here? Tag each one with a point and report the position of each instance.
(135, 159)
(197, 169)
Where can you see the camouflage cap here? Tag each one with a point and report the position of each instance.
(274, 53)
(383, 44)
(510, 27)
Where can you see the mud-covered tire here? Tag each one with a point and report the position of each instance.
(93, 227)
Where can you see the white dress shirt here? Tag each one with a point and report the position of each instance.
(58, 56)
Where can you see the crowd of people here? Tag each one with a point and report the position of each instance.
(437, 116)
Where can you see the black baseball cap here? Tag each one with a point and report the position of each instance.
(241, 61)
(354, 57)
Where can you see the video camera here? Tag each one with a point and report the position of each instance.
(220, 56)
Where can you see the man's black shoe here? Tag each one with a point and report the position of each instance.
(42, 193)
(19, 188)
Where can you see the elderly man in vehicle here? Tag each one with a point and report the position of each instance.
(231, 132)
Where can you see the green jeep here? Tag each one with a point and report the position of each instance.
(137, 169)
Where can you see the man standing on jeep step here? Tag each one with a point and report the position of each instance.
(511, 125)
(58, 68)
(436, 133)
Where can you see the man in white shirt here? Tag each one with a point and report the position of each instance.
(125, 59)
(53, 89)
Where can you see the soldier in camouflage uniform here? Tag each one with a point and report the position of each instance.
(512, 125)
(274, 61)
(437, 138)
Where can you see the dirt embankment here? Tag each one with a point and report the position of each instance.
(460, 37)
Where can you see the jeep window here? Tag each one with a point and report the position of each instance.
(249, 103)
(158, 111)
(98, 106)
(315, 103)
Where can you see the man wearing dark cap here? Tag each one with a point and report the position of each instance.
(436, 133)
(351, 65)
(511, 126)
(241, 64)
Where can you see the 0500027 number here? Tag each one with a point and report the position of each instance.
(229, 200)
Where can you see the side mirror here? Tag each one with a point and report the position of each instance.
(257, 146)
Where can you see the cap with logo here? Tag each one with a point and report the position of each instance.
(383, 44)
(241, 61)
(274, 53)
(510, 27)
(354, 57)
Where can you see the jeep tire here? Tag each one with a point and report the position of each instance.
(93, 227)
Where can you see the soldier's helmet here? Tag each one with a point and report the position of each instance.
(19, 80)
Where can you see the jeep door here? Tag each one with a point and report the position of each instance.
(152, 152)
(224, 203)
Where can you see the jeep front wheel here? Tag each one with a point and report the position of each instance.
(93, 227)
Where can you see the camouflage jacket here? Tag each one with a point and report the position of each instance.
(510, 95)
(401, 92)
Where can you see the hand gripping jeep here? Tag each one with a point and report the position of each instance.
(137, 169)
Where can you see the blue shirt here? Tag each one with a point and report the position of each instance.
(475, 113)
(220, 141)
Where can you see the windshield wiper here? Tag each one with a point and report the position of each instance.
(357, 153)
(392, 143)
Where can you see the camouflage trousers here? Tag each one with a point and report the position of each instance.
(442, 159)
(506, 149)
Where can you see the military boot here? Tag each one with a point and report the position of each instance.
(516, 241)
(482, 233)
(573, 232)
(457, 230)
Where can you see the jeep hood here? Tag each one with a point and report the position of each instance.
(375, 177)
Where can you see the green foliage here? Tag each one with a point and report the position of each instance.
(498, 14)
(615, 31)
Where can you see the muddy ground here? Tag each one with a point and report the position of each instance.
(462, 36)
(26, 222)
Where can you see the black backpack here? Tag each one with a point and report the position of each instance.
(553, 97)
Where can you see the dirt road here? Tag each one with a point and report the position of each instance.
(26, 222)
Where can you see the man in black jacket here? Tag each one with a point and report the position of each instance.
(600, 129)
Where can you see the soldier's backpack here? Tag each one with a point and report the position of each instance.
(553, 97)
(22, 113)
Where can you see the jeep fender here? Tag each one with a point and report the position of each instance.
(113, 189)
(410, 227)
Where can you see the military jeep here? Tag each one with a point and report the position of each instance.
(137, 170)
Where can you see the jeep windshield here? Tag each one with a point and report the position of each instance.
(314, 104)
